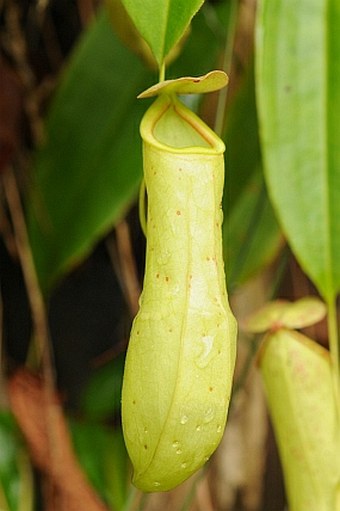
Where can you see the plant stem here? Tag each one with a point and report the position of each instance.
(162, 72)
(36, 301)
(130, 503)
(189, 497)
(226, 65)
(143, 501)
(333, 337)
(26, 500)
(127, 266)
(37, 305)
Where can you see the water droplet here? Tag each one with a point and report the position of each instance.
(163, 257)
(184, 419)
(205, 351)
(206, 458)
(156, 484)
(184, 464)
(179, 451)
(146, 431)
(175, 444)
(208, 415)
(198, 427)
(175, 289)
(219, 429)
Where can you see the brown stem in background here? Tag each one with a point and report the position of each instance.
(86, 10)
(203, 496)
(226, 66)
(36, 301)
(122, 259)
(37, 305)
(16, 46)
(67, 489)
(3, 397)
(127, 265)
(34, 403)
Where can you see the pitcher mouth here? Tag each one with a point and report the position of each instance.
(170, 125)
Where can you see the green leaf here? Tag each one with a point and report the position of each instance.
(298, 85)
(162, 22)
(88, 171)
(84, 183)
(117, 471)
(102, 454)
(16, 482)
(203, 34)
(251, 235)
(101, 399)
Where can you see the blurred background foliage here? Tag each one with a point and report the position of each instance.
(70, 74)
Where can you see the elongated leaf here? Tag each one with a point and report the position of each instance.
(202, 35)
(16, 481)
(87, 173)
(162, 22)
(103, 456)
(89, 168)
(101, 399)
(251, 233)
(298, 83)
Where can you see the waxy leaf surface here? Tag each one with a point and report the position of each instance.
(162, 22)
(298, 85)
(88, 171)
